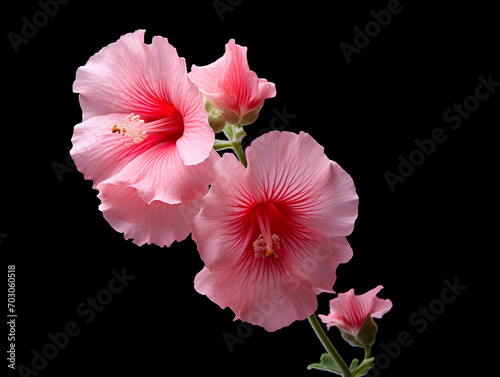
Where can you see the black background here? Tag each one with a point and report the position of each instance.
(435, 226)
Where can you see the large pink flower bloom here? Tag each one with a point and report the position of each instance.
(144, 141)
(272, 235)
(232, 87)
(349, 311)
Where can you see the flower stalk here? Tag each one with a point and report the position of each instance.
(240, 153)
(235, 135)
(313, 320)
(367, 352)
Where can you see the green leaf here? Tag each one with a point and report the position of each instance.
(327, 363)
(354, 365)
(363, 367)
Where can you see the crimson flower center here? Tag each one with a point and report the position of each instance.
(268, 247)
(267, 244)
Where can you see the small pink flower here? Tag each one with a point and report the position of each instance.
(348, 311)
(231, 86)
(144, 141)
(272, 235)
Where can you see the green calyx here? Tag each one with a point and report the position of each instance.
(365, 336)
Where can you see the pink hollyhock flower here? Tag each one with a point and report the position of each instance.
(272, 235)
(350, 313)
(144, 141)
(231, 86)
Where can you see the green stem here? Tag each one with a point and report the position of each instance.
(240, 153)
(235, 135)
(367, 352)
(222, 144)
(313, 320)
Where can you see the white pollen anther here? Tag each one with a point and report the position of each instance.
(266, 248)
(130, 130)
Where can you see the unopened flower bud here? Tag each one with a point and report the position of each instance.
(215, 117)
(232, 86)
(353, 315)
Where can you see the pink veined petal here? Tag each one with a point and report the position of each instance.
(349, 311)
(157, 222)
(230, 84)
(258, 231)
(219, 80)
(222, 230)
(291, 168)
(253, 92)
(160, 174)
(306, 253)
(117, 79)
(318, 259)
(197, 140)
(206, 78)
(293, 173)
(280, 166)
(238, 81)
(198, 137)
(259, 293)
(97, 152)
(359, 306)
(265, 89)
(379, 306)
(241, 83)
(129, 76)
(332, 320)
(344, 310)
(145, 140)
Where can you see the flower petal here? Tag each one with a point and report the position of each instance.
(160, 174)
(230, 84)
(157, 222)
(97, 152)
(129, 76)
(198, 137)
(290, 168)
(317, 259)
(379, 306)
(221, 229)
(349, 310)
(122, 78)
(257, 293)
